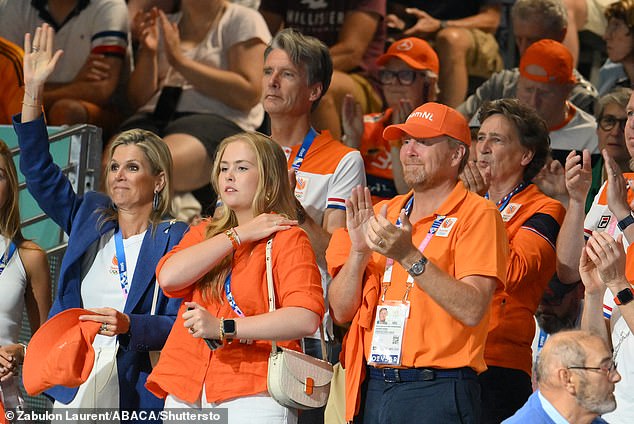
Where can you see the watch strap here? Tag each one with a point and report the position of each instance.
(626, 222)
(624, 297)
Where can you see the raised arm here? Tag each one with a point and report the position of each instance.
(39, 63)
(239, 86)
(355, 36)
(578, 173)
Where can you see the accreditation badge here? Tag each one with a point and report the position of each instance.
(509, 211)
(387, 338)
(301, 186)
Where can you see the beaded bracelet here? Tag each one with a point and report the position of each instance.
(233, 237)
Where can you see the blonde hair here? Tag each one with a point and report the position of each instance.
(158, 155)
(273, 194)
(10, 211)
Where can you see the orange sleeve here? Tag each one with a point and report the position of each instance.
(338, 251)
(629, 263)
(297, 278)
(532, 248)
(473, 257)
(193, 236)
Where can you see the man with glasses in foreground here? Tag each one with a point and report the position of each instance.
(576, 377)
(409, 77)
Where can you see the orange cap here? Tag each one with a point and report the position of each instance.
(60, 352)
(414, 51)
(431, 120)
(547, 61)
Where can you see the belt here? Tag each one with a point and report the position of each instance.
(404, 375)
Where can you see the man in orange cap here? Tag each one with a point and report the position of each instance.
(409, 77)
(432, 258)
(546, 78)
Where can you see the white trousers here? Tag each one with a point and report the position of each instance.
(101, 390)
(260, 408)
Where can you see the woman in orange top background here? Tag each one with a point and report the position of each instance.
(219, 269)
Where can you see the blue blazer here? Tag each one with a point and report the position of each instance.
(78, 217)
(533, 413)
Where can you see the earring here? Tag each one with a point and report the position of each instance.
(155, 201)
(267, 196)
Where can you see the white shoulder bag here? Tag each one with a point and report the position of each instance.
(295, 380)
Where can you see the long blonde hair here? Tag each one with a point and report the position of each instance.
(10, 211)
(273, 194)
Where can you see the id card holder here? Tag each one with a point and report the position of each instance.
(387, 337)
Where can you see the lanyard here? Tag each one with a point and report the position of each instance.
(7, 256)
(303, 150)
(389, 263)
(123, 270)
(230, 298)
(502, 204)
(541, 340)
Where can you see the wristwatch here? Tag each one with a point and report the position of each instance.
(228, 329)
(624, 297)
(625, 222)
(418, 267)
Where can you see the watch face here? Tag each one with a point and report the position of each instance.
(625, 296)
(418, 267)
(229, 326)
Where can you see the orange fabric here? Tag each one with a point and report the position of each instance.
(60, 352)
(327, 163)
(236, 369)
(553, 58)
(432, 120)
(11, 80)
(572, 111)
(603, 198)
(3, 418)
(476, 245)
(414, 51)
(531, 265)
(375, 150)
(629, 264)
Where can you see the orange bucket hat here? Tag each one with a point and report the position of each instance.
(414, 51)
(431, 120)
(547, 61)
(60, 353)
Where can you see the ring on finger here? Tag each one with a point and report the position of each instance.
(381, 243)
(35, 49)
(191, 330)
(104, 327)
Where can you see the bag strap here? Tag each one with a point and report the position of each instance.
(271, 294)
(154, 298)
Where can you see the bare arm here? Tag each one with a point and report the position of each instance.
(39, 63)
(238, 87)
(467, 299)
(274, 21)
(487, 20)
(289, 323)
(355, 36)
(94, 91)
(38, 293)
(570, 242)
(344, 292)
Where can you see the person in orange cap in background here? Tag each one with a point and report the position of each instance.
(115, 240)
(409, 77)
(433, 258)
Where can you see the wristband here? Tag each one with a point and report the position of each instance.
(222, 329)
(625, 222)
(624, 297)
(233, 238)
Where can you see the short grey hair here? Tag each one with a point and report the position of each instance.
(619, 96)
(307, 52)
(550, 13)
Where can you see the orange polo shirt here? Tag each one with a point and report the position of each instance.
(476, 244)
(532, 231)
(236, 369)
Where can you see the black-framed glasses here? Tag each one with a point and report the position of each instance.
(608, 369)
(607, 122)
(404, 77)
